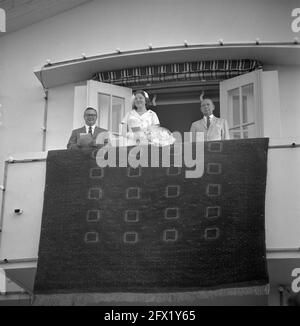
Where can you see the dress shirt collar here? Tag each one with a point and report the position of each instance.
(210, 117)
(88, 127)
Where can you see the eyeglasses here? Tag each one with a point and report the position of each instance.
(90, 115)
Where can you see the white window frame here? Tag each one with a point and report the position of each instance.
(253, 78)
(94, 88)
(87, 96)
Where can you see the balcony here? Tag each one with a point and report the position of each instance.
(22, 206)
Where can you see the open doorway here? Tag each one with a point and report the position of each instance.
(178, 107)
(237, 99)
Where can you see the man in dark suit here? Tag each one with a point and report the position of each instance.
(86, 136)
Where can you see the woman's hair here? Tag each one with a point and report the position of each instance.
(146, 96)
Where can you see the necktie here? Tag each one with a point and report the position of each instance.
(90, 131)
(208, 122)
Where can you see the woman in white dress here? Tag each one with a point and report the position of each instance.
(138, 122)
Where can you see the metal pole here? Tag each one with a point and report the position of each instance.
(3, 195)
(27, 160)
(16, 261)
(45, 121)
(293, 145)
(283, 249)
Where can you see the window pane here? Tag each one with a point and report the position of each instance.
(104, 110)
(248, 103)
(234, 107)
(118, 109)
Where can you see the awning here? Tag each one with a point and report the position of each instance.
(213, 70)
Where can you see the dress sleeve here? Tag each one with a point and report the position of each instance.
(155, 120)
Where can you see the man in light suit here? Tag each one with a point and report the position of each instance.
(212, 127)
(86, 136)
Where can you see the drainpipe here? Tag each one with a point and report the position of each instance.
(44, 128)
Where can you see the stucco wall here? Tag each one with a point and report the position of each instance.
(289, 86)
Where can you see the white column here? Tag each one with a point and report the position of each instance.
(2, 282)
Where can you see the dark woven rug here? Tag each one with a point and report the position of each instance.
(151, 229)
